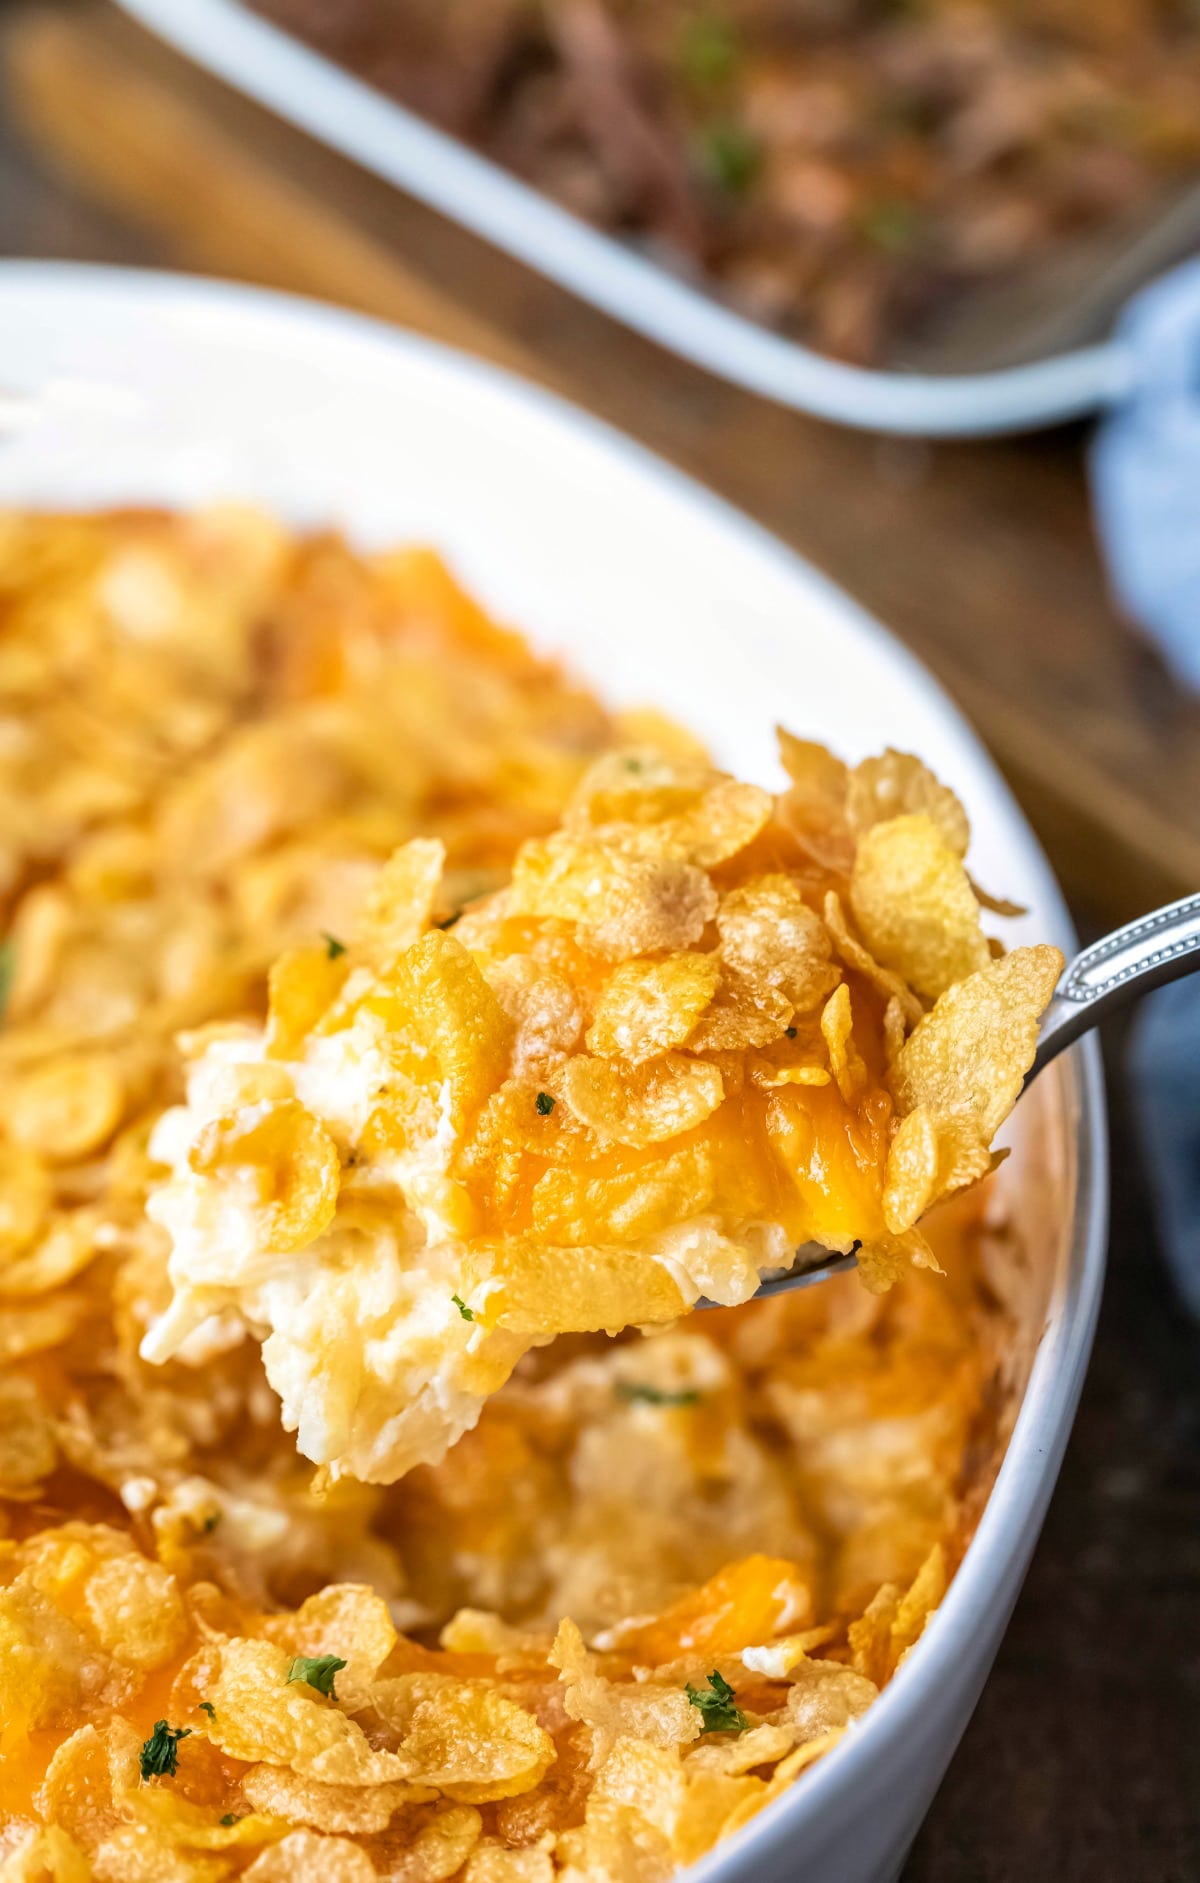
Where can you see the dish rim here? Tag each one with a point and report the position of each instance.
(278, 70)
(994, 1559)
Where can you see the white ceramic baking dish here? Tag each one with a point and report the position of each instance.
(312, 92)
(144, 388)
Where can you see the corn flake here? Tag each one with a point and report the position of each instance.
(439, 1847)
(652, 805)
(279, 1792)
(649, 1714)
(399, 907)
(308, 1857)
(463, 1737)
(436, 996)
(48, 1855)
(824, 1695)
(66, 1108)
(814, 808)
(912, 1171)
(283, 1157)
(342, 1612)
(739, 1020)
(914, 905)
(645, 1104)
(303, 984)
(625, 904)
(492, 1862)
(845, 1060)
(898, 785)
(25, 1196)
(959, 1074)
(28, 1446)
(648, 1007)
(262, 1716)
(770, 937)
(968, 1058)
(862, 961)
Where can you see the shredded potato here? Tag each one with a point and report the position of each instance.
(370, 1019)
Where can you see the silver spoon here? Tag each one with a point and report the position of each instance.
(1113, 971)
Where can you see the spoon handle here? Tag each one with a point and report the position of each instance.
(1147, 953)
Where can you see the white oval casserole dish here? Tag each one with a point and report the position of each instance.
(144, 388)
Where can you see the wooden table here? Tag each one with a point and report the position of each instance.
(1083, 1762)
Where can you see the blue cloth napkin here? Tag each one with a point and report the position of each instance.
(1145, 469)
(1164, 1072)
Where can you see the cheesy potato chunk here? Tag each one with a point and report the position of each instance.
(699, 1027)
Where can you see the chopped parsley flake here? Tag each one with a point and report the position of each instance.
(715, 1704)
(709, 53)
(334, 947)
(211, 1522)
(791, 1032)
(464, 887)
(8, 966)
(231, 1817)
(317, 1673)
(890, 225)
(160, 1754)
(467, 1313)
(545, 1104)
(730, 157)
(637, 1390)
(206, 1706)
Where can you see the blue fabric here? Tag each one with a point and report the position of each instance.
(1145, 468)
(1164, 1066)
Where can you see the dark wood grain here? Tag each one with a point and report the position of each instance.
(1083, 1762)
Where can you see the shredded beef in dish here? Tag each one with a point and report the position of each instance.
(844, 170)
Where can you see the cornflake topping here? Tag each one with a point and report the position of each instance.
(229, 747)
